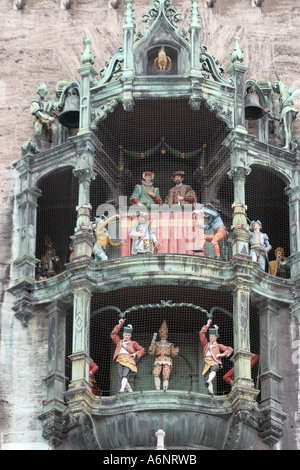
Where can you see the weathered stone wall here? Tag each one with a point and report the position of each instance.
(43, 42)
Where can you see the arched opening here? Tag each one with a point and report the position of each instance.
(56, 218)
(184, 322)
(266, 201)
(162, 136)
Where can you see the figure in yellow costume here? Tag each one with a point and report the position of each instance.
(163, 350)
(280, 267)
(102, 237)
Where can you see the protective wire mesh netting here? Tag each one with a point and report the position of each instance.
(162, 136)
(184, 316)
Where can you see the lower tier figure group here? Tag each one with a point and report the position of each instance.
(127, 352)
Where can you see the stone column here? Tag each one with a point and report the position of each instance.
(87, 73)
(128, 72)
(270, 406)
(26, 261)
(195, 29)
(294, 213)
(241, 321)
(238, 144)
(55, 381)
(237, 71)
(81, 337)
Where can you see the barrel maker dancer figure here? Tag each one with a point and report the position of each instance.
(126, 353)
(212, 354)
(212, 220)
(163, 351)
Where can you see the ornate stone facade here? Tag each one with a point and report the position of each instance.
(33, 314)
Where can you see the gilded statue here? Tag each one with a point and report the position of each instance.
(162, 61)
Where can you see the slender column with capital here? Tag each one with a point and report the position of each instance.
(81, 337)
(55, 381)
(87, 73)
(272, 422)
(241, 320)
(294, 213)
(195, 29)
(238, 144)
(237, 71)
(128, 72)
(26, 261)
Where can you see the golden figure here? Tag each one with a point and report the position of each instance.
(162, 61)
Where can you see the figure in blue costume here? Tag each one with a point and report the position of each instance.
(144, 239)
(259, 244)
(213, 221)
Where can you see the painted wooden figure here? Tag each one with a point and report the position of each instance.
(126, 353)
(144, 238)
(180, 194)
(212, 220)
(102, 237)
(145, 194)
(212, 354)
(163, 351)
(259, 244)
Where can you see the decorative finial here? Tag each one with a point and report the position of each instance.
(237, 54)
(87, 57)
(129, 19)
(195, 16)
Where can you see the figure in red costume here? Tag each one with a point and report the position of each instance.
(125, 354)
(228, 378)
(212, 354)
(93, 368)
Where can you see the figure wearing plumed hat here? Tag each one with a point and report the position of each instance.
(126, 353)
(163, 351)
(259, 244)
(212, 354)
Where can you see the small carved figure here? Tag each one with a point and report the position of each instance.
(44, 113)
(163, 351)
(212, 354)
(50, 264)
(280, 266)
(287, 111)
(181, 194)
(144, 238)
(93, 368)
(259, 244)
(146, 194)
(212, 221)
(162, 61)
(126, 353)
(102, 237)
